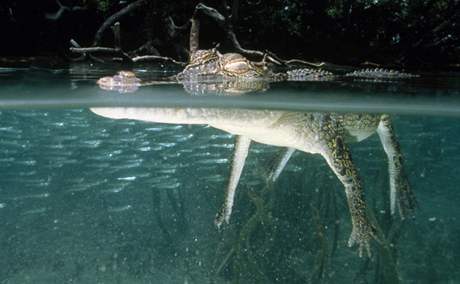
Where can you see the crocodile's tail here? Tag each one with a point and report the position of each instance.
(379, 73)
(309, 74)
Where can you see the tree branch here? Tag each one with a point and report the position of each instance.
(94, 49)
(194, 40)
(115, 17)
(157, 58)
(173, 29)
(228, 28)
(222, 22)
(56, 16)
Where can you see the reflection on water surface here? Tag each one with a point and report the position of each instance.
(88, 199)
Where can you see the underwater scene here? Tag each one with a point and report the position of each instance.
(322, 181)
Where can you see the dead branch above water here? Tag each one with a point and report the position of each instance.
(115, 17)
(226, 23)
(227, 26)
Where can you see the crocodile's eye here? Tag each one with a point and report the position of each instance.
(238, 66)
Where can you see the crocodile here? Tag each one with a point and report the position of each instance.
(327, 134)
(234, 73)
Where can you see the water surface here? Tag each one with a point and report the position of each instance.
(87, 199)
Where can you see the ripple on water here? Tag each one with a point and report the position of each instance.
(14, 143)
(168, 185)
(171, 155)
(167, 145)
(116, 189)
(167, 171)
(159, 179)
(78, 188)
(32, 196)
(154, 129)
(212, 161)
(183, 137)
(80, 184)
(40, 210)
(27, 173)
(98, 165)
(128, 164)
(129, 178)
(223, 135)
(215, 178)
(145, 149)
(90, 144)
(221, 145)
(12, 130)
(202, 154)
(116, 209)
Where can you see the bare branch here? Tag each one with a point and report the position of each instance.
(221, 21)
(157, 58)
(211, 12)
(228, 28)
(194, 40)
(62, 9)
(173, 29)
(303, 62)
(94, 49)
(99, 49)
(116, 35)
(146, 48)
(232, 36)
(115, 17)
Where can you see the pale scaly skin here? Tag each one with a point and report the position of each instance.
(338, 156)
(358, 127)
(326, 134)
(401, 195)
(240, 154)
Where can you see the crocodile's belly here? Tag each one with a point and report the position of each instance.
(285, 129)
(281, 137)
(359, 126)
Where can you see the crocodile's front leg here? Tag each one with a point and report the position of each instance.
(338, 156)
(239, 157)
(280, 164)
(400, 191)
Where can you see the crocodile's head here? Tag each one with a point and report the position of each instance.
(202, 56)
(124, 81)
(203, 62)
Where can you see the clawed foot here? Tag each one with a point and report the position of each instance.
(222, 217)
(361, 236)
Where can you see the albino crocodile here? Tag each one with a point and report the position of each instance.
(326, 134)
(233, 73)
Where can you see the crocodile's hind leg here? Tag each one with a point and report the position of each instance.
(400, 191)
(338, 156)
(239, 157)
(280, 164)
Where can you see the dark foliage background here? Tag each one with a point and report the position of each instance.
(411, 33)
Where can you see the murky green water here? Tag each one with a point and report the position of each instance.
(89, 199)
